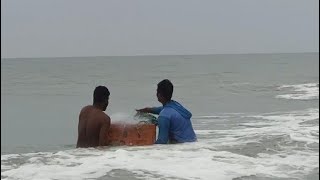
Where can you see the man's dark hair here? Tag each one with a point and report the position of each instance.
(101, 93)
(165, 88)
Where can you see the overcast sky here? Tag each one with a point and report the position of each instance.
(62, 28)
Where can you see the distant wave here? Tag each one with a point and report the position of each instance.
(309, 91)
(302, 126)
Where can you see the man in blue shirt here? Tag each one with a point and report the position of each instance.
(174, 120)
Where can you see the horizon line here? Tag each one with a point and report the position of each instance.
(147, 55)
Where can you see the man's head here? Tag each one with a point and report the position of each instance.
(164, 91)
(101, 97)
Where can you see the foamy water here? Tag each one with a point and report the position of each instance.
(301, 91)
(217, 155)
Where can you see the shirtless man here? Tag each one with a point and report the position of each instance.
(94, 124)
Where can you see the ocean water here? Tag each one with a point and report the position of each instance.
(256, 116)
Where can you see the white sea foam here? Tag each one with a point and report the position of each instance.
(301, 91)
(290, 123)
(251, 128)
(192, 161)
(209, 158)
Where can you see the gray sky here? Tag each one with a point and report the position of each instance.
(59, 28)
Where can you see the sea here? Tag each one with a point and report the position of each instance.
(256, 117)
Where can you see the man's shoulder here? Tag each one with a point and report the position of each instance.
(86, 108)
(167, 111)
(103, 117)
(94, 112)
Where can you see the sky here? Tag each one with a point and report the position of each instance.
(75, 28)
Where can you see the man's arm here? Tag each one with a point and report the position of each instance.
(81, 142)
(164, 128)
(153, 110)
(104, 129)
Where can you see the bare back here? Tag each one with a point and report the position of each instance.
(93, 127)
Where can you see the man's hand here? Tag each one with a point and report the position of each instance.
(145, 110)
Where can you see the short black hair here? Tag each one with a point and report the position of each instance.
(165, 88)
(101, 93)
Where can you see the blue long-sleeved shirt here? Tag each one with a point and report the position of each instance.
(174, 123)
